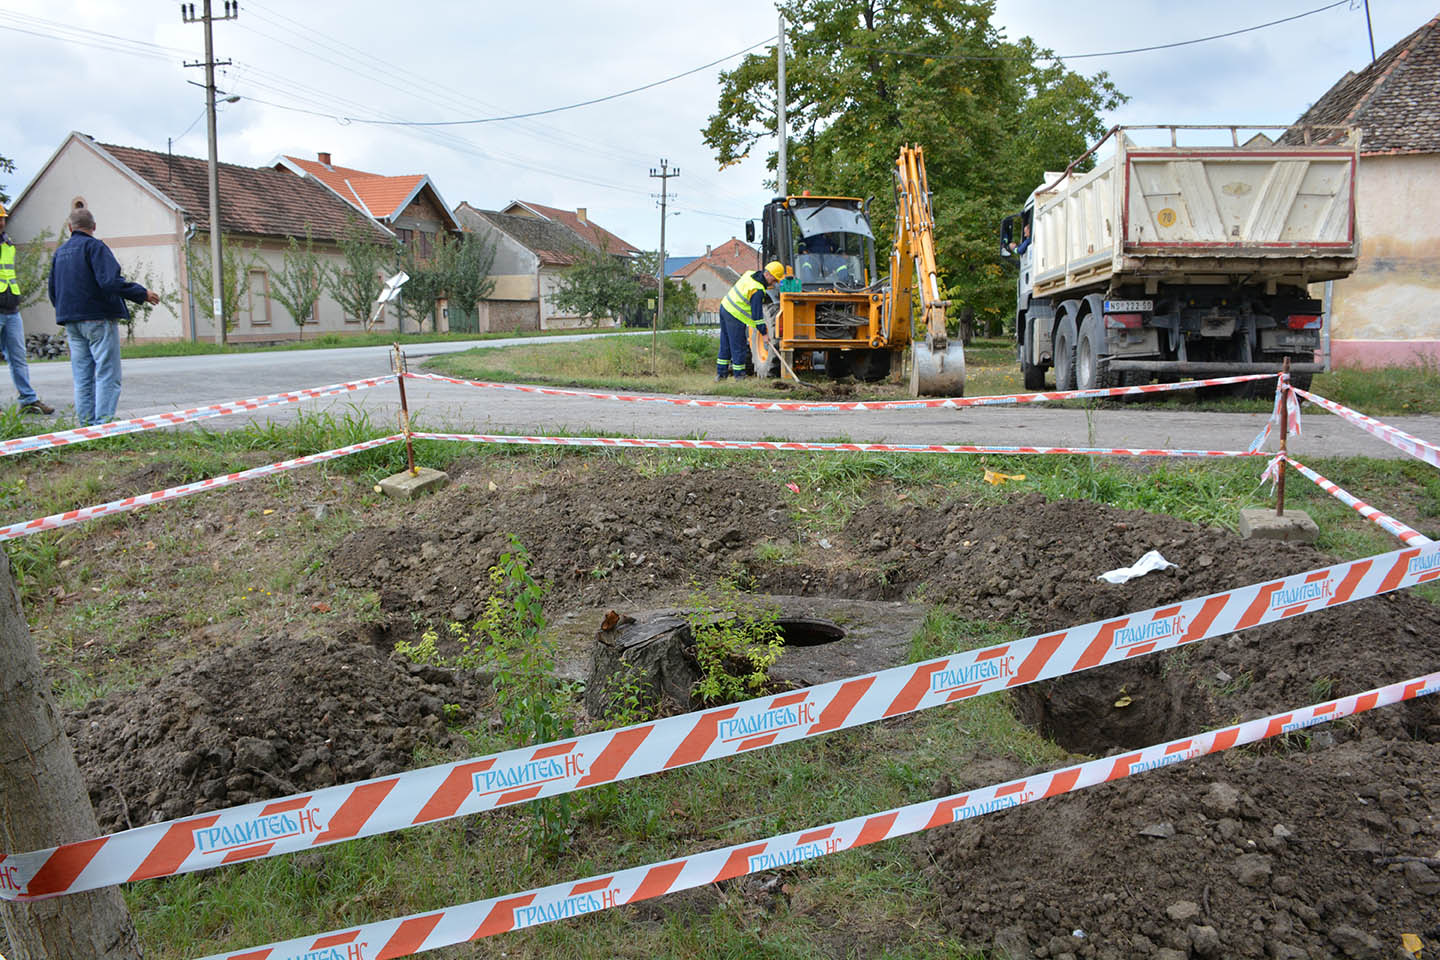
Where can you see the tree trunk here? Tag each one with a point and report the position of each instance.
(44, 802)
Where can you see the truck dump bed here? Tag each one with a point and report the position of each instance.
(1279, 211)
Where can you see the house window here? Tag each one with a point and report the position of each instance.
(702, 288)
(259, 298)
(404, 235)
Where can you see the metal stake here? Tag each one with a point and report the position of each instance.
(1284, 389)
(404, 411)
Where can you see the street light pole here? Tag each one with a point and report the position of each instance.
(781, 179)
(217, 276)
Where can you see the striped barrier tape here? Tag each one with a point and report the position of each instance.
(54, 521)
(58, 520)
(1407, 535)
(954, 403)
(421, 932)
(381, 805)
(1292, 411)
(62, 438)
(817, 447)
(1397, 438)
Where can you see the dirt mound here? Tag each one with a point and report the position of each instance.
(1277, 855)
(594, 530)
(265, 718)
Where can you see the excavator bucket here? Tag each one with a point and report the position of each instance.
(937, 372)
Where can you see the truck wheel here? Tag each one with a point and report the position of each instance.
(1033, 376)
(1092, 373)
(1065, 355)
(1301, 380)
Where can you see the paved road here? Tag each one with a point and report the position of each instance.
(157, 385)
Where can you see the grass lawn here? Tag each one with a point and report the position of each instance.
(685, 363)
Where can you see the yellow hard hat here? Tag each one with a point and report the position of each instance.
(776, 269)
(3, 211)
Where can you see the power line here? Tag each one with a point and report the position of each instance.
(1106, 53)
(571, 106)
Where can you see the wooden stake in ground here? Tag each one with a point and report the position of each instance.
(43, 802)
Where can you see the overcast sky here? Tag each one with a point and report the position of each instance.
(122, 82)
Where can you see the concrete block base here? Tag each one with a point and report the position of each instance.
(1262, 524)
(410, 486)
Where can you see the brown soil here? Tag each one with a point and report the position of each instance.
(296, 707)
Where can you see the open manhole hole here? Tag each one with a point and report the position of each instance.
(808, 631)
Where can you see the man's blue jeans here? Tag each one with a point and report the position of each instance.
(12, 338)
(95, 368)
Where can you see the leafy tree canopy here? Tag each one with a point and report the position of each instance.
(864, 77)
(598, 285)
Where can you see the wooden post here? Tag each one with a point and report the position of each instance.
(44, 802)
(404, 411)
(1284, 389)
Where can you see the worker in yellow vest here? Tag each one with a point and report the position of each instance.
(744, 307)
(12, 328)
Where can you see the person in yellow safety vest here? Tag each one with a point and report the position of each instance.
(12, 328)
(744, 307)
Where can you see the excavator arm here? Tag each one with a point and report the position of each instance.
(937, 365)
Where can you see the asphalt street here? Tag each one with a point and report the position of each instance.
(172, 383)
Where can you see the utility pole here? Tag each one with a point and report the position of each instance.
(782, 180)
(663, 176)
(217, 278)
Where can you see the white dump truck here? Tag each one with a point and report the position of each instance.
(1163, 262)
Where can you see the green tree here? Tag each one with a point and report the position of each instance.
(681, 300)
(467, 261)
(8, 166)
(357, 284)
(300, 282)
(426, 284)
(236, 262)
(864, 77)
(599, 285)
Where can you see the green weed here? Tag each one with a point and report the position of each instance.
(736, 643)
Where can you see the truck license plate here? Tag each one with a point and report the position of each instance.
(1129, 306)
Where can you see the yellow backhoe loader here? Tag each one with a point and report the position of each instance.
(835, 312)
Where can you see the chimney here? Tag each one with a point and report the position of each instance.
(707, 249)
(323, 158)
(580, 212)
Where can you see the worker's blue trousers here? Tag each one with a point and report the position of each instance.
(734, 347)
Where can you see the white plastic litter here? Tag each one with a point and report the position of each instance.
(1150, 562)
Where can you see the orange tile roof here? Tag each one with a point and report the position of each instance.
(591, 231)
(734, 254)
(382, 196)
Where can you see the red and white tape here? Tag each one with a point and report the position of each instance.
(1292, 413)
(381, 805)
(1397, 438)
(62, 438)
(850, 406)
(818, 447)
(1389, 524)
(421, 932)
(58, 520)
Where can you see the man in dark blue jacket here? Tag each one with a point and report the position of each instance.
(89, 295)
